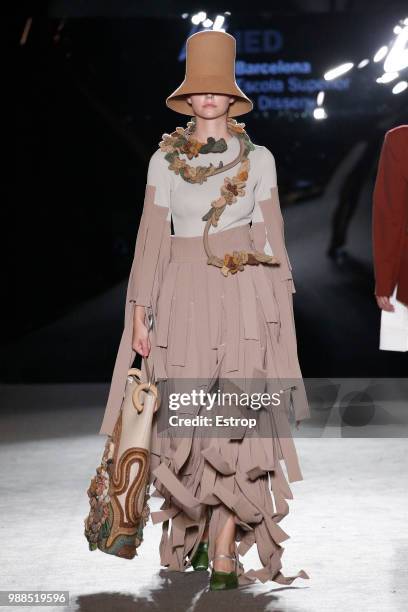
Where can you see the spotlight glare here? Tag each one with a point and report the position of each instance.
(198, 17)
(399, 87)
(218, 22)
(335, 72)
(320, 98)
(319, 113)
(387, 77)
(363, 63)
(381, 53)
(397, 59)
(184, 15)
(207, 23)
(397, 29)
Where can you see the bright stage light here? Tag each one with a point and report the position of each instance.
(198, 17)
(335, 72)
(387, 77)
(319, 113)
(207, 23)
(399, 87)
(218, 22)
(320, 98)
(397, 58)
(363, 63)
(381, 53)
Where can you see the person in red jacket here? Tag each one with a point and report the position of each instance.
(390, 239)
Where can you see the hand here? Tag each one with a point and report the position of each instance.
(384, 303)
(297, 424)
(140, 340)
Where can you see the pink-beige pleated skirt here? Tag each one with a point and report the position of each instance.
(235, 327)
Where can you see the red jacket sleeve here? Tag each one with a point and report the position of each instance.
(389, 218)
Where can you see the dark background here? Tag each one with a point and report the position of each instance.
(88, 83)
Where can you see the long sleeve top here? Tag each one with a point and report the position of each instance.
(186, 203)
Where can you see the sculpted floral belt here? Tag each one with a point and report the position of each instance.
(181, 141)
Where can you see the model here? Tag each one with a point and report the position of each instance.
(220, 293)
(390, 239)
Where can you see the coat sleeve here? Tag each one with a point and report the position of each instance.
(150, 261)
(268, 235)
(390, 199)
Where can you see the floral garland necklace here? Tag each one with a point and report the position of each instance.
(182, 141)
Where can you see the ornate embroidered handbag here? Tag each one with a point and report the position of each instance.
(118, 493)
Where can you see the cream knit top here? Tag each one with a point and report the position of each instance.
(189, 202)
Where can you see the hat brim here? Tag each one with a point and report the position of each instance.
(177, 100)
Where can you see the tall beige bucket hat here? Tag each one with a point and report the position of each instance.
(210, 68)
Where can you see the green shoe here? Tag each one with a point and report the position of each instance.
(200, 558)
(220, 581)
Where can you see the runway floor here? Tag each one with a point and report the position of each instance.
(347, 522)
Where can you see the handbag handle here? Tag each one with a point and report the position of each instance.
(143, 386)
